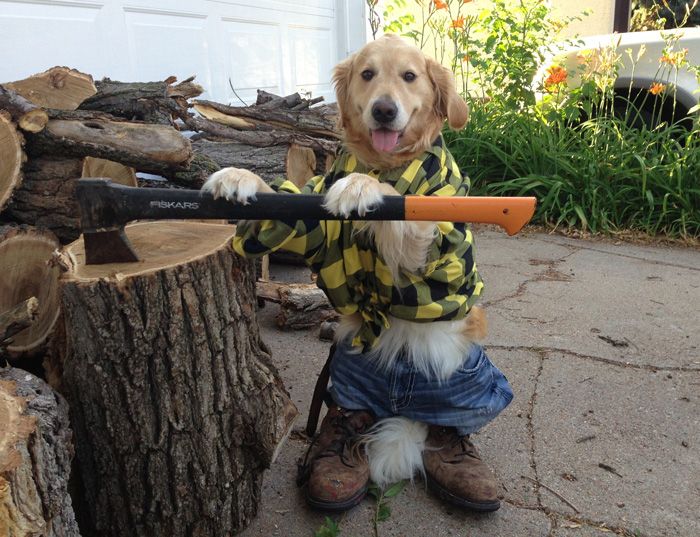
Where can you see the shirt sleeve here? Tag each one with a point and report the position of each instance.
(450, 263)
(255, 238)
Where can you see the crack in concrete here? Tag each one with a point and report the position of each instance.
(618, 254)
(608, 361)
(549, 274)
(553, 515)
(602, 526)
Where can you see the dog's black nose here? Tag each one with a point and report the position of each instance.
(384, 111)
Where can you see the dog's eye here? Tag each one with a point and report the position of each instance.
(409, 76)
(367, 74)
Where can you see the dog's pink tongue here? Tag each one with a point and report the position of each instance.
(384, 139)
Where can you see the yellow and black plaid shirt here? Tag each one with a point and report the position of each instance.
(351, 272)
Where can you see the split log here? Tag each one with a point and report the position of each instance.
(267, 162)
(35, 459)
(59, 87)
(25, 255)
(176, 406)
(259, 138)
(302, 305)
(27, 115)
(11, 158)
(46, 196)
(152, 102)
(157, 149)
(319, 121)
(17, 319)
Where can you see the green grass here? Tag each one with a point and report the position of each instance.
(598, 175)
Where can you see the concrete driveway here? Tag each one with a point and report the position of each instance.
(601, 343)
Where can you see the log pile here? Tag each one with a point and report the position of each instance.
(171, 391)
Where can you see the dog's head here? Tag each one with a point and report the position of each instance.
(393, 101)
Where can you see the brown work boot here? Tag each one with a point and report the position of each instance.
(335, 468)
(455, 472)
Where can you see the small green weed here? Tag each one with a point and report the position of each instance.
(382, 511)
(329, 528)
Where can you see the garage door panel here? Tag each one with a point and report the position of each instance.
(254, 57)
(281, 46)
(38, 36)
(162, 44)
(313, 52)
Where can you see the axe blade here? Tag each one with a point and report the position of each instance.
(108, 246)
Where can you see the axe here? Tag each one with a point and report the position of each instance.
(106, 207)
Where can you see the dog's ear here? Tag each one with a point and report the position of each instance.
(448, 103)
(341, 80)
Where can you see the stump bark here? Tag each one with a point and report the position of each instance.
(35, 459)
(26, 270)
(176, 405)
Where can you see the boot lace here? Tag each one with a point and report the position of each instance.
(345, 440)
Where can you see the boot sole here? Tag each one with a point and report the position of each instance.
(444, 494)
(336, 507)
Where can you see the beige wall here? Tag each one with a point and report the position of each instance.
(600, 21)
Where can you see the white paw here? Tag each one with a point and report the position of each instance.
(234, 184)
(356, 192)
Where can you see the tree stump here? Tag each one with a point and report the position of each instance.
(176, 406)
(25, 271)
(35, 459)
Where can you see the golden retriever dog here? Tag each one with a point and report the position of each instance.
(393, 102)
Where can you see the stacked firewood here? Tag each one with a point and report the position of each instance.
(89, 331)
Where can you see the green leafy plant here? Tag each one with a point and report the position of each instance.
(382, 510)
(598, 157)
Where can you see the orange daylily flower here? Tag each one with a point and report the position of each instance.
(656, 88)
(557, 75)
(439, 4)
(674, 58)
(457, 23)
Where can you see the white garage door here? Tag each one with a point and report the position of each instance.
(280, 46)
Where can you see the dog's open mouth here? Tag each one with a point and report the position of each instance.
(385, 139)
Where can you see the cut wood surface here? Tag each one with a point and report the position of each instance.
(24, 256)
(300, 164)
(176, 406)
(35, 459)
(59, 87)
(302, 305)
(11, 158)
(118, 173)
(158, 149)
(26, 114)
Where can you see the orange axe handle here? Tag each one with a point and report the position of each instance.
(509, 213)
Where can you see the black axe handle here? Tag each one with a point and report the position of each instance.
(106, 207)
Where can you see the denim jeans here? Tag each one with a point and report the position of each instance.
(472, 397)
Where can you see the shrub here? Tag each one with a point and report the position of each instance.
(597, 158)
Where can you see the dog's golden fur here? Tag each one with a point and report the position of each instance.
(428, 100)
(423, 102)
